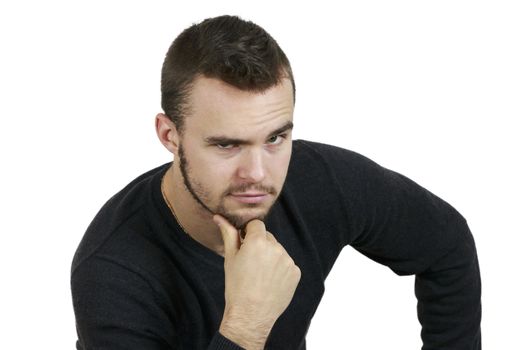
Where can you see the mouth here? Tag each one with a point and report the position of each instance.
(250, 197)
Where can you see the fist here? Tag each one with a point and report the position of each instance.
(260, 276)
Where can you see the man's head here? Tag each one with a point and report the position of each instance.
(227, 48)
(228, 96)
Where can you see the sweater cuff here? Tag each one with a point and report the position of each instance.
(220, 342)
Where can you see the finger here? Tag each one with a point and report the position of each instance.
(230, 236)
(255, 228)
(271, 237)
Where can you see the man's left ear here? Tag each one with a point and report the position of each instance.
(167, 132)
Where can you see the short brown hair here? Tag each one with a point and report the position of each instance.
(228, 48)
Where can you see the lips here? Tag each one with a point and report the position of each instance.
(249, 194)
(250, 197)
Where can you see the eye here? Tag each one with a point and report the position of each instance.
(225, 145)
(276, 139)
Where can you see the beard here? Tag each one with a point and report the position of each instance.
(201, 196)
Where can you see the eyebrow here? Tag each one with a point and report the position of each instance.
(234, 141)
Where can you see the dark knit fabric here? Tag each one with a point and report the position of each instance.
(139, 282)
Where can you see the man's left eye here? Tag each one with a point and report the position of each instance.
(274, 140)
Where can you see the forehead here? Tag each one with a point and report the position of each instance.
(217, 107)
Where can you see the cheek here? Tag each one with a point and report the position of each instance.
(279, 166)
(214, 175)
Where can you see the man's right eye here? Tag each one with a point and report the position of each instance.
(225, 145)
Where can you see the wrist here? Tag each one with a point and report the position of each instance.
(245, 332)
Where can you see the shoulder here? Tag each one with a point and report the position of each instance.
(327, 183)
(315, 150)
(120, 224)
(353, 171)
(314, 162)
(321, 156)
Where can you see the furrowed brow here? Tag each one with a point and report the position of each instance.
(213, 140)
(285, 127)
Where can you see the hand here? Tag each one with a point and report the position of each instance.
(260, 281)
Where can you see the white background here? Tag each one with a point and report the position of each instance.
(432, 89)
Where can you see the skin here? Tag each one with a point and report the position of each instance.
(229, 167)
(260, 282)
(209, 169)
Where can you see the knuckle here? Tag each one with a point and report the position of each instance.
(282, 253)
(256, 225)
(297, 272)
(289, 261)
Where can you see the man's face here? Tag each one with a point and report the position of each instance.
(235, 148)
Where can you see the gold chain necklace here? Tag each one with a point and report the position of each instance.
(169, 205)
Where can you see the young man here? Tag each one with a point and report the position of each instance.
(228, 246)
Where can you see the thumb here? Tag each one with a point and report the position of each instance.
(230, 236)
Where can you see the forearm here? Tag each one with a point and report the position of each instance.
(449, 298)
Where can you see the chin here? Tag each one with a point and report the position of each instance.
(240, 219)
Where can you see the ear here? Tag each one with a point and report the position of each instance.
(167, 132)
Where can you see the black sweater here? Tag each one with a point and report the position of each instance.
(139, 282)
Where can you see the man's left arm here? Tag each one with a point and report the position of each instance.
(449, 297)
(396, 222)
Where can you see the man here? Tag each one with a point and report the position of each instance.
(228, 246)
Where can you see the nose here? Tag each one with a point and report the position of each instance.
(251, 168)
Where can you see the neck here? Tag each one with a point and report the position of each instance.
(191, 216)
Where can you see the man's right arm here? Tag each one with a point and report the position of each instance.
(116, 308)
(260, 282)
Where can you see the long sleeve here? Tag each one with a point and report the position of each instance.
(118, 308)
(398, 223)
(413, 231)
(449, 298)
